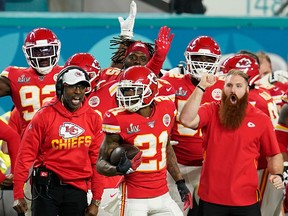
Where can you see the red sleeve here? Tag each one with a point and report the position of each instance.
(205, 113)
(156, 63)
(2, 177)
(13, 142)
(27, 154)
(97, 181)
(15, 121)
(282, 137)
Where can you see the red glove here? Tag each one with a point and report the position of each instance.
(162, 46)
(126, 166)
(188, 202)
(163, 42)
(184, 193)
(136, 161)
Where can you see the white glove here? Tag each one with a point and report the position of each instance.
(278, 76)
(128, 24)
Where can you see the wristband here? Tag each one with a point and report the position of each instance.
(96, 202)
(202, 89)
(282, 178)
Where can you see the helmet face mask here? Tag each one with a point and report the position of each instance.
(130, 96)
(202, 56)
(137, 88)
(42, 50)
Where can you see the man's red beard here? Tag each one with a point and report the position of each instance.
(232, 110)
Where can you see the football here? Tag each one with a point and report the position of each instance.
(116, 154)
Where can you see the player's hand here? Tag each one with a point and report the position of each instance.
(185, 194)
(276, 180)
(207, 80)
(136, 161)
(128, 24)
(7, 182)
(20, 205)
(163, 42)
(91, 210)
(124, 166)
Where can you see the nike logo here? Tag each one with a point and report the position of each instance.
(108, 115)
(168, 89)
(112, 195)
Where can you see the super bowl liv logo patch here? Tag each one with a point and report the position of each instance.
(166, 120)
(216, 94)
(94, 101)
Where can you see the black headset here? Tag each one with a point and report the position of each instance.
(59, 82)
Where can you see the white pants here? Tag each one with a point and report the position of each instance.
(107, 196)
(158, 206)
(272, 202)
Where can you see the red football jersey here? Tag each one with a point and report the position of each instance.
(166, 89)
(101, 101)
(110, 74)
(29, 90)
(282, 137)
(277, 90)
(104, 98)
(189, 147)
(150, 135)
(262, 99)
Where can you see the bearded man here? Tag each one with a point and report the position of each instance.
(234, 132)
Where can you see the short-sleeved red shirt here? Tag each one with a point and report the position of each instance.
(229, 173)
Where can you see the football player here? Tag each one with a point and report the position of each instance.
(90, 64)
(202, 56)
(145, 121)
(32, 86)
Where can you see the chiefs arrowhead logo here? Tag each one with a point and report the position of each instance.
(69, 130)
(244, 63)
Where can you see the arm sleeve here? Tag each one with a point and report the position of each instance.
(156, 63)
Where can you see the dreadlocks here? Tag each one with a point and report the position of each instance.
(121, 44)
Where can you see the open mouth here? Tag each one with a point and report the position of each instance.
(75, 101)
(233, 99)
